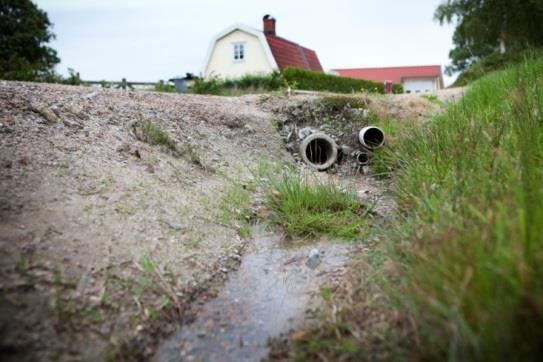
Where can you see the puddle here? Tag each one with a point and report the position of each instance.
(267, 296)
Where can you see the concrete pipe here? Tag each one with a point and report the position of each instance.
(371, 137)
(319, 151)
(362, 158)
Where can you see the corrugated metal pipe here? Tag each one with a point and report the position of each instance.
(371, 137)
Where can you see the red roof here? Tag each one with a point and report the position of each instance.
(395, 74)
(287, 53)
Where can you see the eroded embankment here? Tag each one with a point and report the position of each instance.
(103, 229)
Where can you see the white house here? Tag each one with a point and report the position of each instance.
(241, 50)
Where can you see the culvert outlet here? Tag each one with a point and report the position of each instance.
(371, 137)
(363, 158)
(319, 151)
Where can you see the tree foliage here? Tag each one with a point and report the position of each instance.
(484, 27)
(24, 34)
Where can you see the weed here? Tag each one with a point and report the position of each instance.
(105, 184)
(155, 135)
(148, 264)
(23, 264)
(125, 208)
(196, 158)
(307, 209)
(244, 231)
(96, 316)
(338, 103)
(234, 206)
(61, 172)
(206, 203)
(432, 98)
(151, 313)
(196, 238)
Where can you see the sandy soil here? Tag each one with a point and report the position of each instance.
(106, 239)
(86, 208)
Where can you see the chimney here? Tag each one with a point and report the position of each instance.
(269, 25)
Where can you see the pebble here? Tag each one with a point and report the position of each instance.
(173, 226)
(314, 259)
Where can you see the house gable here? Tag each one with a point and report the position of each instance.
(261, 52)
(258, 57)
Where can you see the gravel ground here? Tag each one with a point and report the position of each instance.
(99, 230)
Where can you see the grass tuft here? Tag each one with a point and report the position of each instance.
(306, 209)
(155, 135)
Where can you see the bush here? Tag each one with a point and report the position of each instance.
(397, 88)
(211, 86)
(249, 83)
(491, 63)
(310, 80)
(161, 86)
(469, 244)
(270, 82)
(73, 79)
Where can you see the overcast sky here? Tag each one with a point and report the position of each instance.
(148, 40)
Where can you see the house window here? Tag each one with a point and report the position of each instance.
(239, 52)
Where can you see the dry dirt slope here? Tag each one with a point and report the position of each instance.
(100, 230)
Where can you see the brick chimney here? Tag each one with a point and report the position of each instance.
(269, 25)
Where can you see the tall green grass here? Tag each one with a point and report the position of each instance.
(469, 243)
(310, 209)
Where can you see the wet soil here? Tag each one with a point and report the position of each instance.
(273, 292)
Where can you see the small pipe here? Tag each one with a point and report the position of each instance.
(319, 151)
(363, 158)
(371, 137)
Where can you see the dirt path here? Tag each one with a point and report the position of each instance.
(107, 240)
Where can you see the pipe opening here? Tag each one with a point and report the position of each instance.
(319, 151)
(363, 158)
(372, 137)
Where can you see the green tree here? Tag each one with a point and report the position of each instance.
(24, 34)
(484, 27)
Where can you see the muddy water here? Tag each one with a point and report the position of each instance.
(267, 296)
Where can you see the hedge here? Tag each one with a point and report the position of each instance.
(311, 80)
(269, 82)
(301, 78)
